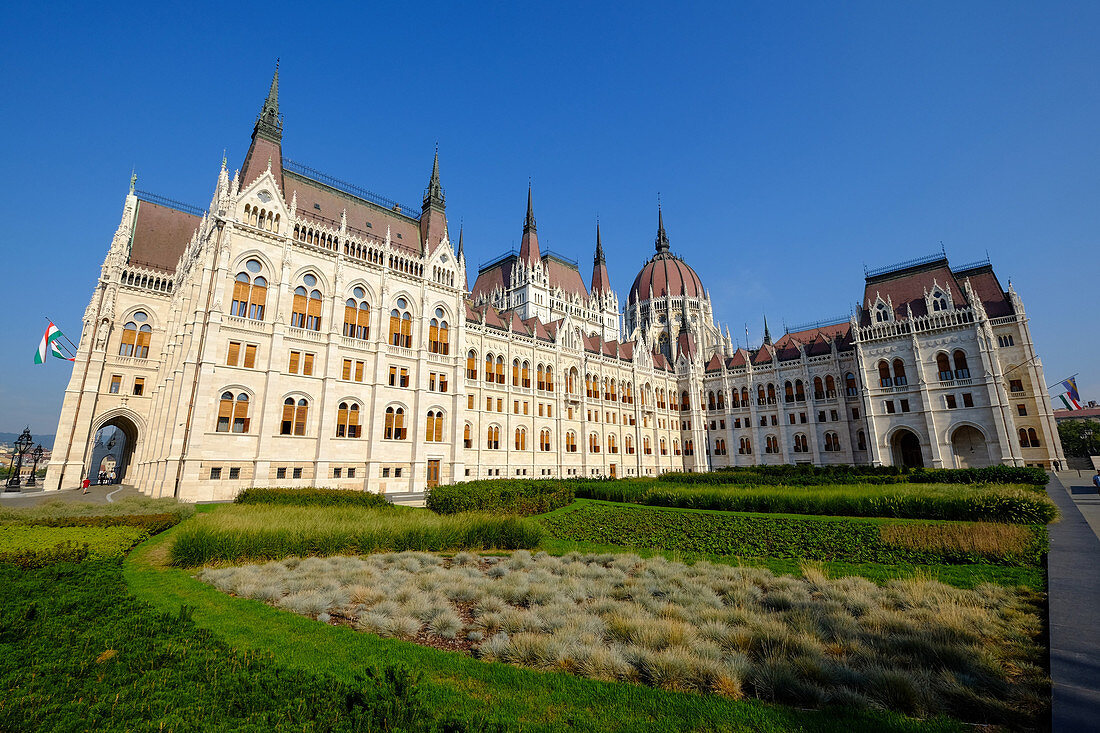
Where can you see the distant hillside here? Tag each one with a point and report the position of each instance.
(45, 440)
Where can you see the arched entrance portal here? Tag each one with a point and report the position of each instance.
(112, 450)
(968, 445)
(906, 449)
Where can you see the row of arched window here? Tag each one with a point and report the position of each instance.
(262, 218)
(159, 284)
(135, 336)
(800, 444)
(233, 417)
(767, 394)
(316, 237)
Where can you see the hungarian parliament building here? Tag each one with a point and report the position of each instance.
(302, 331)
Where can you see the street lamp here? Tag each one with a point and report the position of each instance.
(22, 445)
(36, 454)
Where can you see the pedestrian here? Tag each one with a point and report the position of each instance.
(84, 484)
(1096, 481)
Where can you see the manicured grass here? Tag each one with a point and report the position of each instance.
(961, 502)
(102, 542)
(78, 653)
(236, 533)
(56, 509)
(783, 536)
(915, 646)
(312, 497)
(465, 687)
(960, 576)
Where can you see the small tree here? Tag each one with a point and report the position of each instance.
(1074, 440)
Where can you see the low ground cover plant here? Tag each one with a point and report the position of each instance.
(235, 533)
(915, 646)
(794, 536)
(312, 497)
(973, 503)
(78, 653)
(515, 496)
(100, 542)
(57, 510)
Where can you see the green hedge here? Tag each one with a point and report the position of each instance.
(312, 497)
(989, 474)
(909, 501)
(513, 496)
(806, 475)
(29, 558)
(151, 523)
(77, 652)
(747, 535)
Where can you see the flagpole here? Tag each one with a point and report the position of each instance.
(1062, 380)
(74, 348)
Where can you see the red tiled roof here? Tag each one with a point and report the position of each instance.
(988, 288)
(564, 276)
(907, 286)
(667, 275)
(739, 359)
(160, 236)
(715, 364)
(763, 355)
(255, 161)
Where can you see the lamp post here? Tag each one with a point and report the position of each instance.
(36, 454)
(22, 445)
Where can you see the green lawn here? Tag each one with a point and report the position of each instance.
(467, 688)
(102, 541)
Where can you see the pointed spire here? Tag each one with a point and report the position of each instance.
(767, 333)
(433, 194)
(270, 122)
(601, 283)
(460, 252)
(529, 245)
(661, 243)
(133, 179)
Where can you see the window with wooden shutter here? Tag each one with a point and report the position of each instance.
(353, 421)
(313, 313)
(526, 374)
(429, 432)
(444, 338)
(358, 371)
(395, 327)
(500, 370)
(298, 308)
(241, 288)
(288, 417)
(471, 365)
(399, 424)
(307, 364)
(250, 356)
(295, 356)
(139, 386)
(258, 299)
(388, 434)
(342, 420)
(116, 383)
(433, 336)
(300, 414)
(346, 374)
(406, 331)
(442, 382)
(225, 412)
(350, 318)
(363, 321)
(129, 336)
(404, 377)
(234, 353)
(240, 414)
(515, 372)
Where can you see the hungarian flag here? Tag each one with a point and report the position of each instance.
(49, 341)
(1070, 398)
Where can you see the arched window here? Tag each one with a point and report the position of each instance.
(433, 431)
(830, 386)
(801, 444)
(492, 438)
(799, 391)
(401, 325)
(500, 370)
(521, 439)
(357, 315)
(628, 443)
(685, 401)
(899, 373)
(614, 391)
(1024, 442)
(745, 447)
(744, 396)
(850, 385)
(540, 377)
(439, 334)
(571, 381)
(861, 440)
(664, 448)
(549, 378)
(233, 413)
(721, 400)
(249, 292)
(771, 393)
(306, 307)
(788, 392)
(515, 372)
(593, 443)
(939, 301)
(544, 441)
(471, 364)
(760, 398)
(962, 371)
(882, 313)
(884, 373)
(612, 445)
(467, 439)
(294, 416)
(395, 424)
(689, 447)
(943, 366)
(646, 447)
(819, 389)
(675, 446)
(347, 420)
(525, 373)
(711, 404)
(720, 447)
(832, 441)
(1033, 437)
(489, 368)
(771, 444)
(571, 442)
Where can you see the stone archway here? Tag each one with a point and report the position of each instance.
(905, 446)
(969, 447)
(112, 448)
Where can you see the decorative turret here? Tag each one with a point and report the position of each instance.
(462, 261)
(266, 150)
(529, 246)
(767, 333)
(661, 242)
(601, 283)
(433, 217)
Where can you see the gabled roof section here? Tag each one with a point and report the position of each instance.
(764, 354)
(715, 364)
(161, 234)
(988, 288)
(740, 358)
(564, 275)
(905, 286)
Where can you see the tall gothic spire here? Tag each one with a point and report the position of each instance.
(270, 122)
(661, 243)
(767, 333)
(529, 245)
(601, 283)
(460, 252)
(433, 215)
(433, 194)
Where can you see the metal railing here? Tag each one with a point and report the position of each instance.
(350, 188)
(170, 203)
(903, 265)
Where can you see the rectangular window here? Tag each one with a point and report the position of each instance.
(1015, 385)
(280, 473)
(234, 473)
(346, 373)
(358, 378)
(250, 356)
(889, 407)
(834, 415)
(855, 413)
(1022, 410)
(442, 382)
(215, 473)
(763, 421)
(139, 386)
(802, 418)
(431, 381)
(968, 399)
(385, 473)
(116, 383)
(790, 416)
(526, 406)
(540, 410)
(821, 416)
(469, 402)
(515, 407)
(234, 353)
(393, 376)
(488, 404)
(351, 473)
(905, 405)
(500, 404)
(950, 401)
(404, 377)
(336, 472)
(297, 473)
(307, 364)
(295, 357)
(775, 421)
(397, 473)
(569, 413)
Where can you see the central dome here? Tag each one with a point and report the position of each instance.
(666, 274)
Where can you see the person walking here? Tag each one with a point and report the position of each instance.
(84, 484)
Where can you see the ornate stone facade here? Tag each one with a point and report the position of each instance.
(303, 332)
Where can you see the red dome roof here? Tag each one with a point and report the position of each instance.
(667, 274)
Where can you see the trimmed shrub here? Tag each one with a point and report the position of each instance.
(151, 523)
(514, 496)
(777, 536)
(989, 474)
(101, 542)
(29, 558)
(807, 475)
(312, 497)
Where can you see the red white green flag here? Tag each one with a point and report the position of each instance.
(1071, 398)
(49, 343)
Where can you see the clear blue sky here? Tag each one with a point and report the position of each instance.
(790, 144)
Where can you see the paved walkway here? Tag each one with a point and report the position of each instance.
(95, 495)
(1073, 579)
